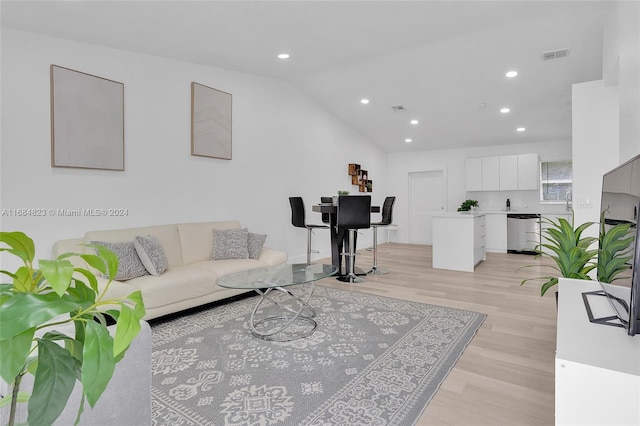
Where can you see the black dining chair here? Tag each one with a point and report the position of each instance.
(354, 212)
(326, 217)
(387, 217)
(298, 220)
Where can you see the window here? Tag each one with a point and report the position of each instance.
(555, 181)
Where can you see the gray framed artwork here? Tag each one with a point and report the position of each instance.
(87, 121)
(210, 122)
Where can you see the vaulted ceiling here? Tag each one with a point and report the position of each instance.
(443, 63)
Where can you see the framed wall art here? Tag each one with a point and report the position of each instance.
(210, 122)
(87, 120)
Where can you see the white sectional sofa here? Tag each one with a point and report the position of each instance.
(191, 275)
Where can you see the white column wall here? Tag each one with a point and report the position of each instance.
(283, 145)
(596, 147)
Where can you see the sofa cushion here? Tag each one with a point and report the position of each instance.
(229, 266)
(230, 244)
(175, 285)
(166, 234)
(151, 254)
(255, 242)
(129, 263)
(196, 239)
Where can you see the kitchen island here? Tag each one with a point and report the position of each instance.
(458, 240)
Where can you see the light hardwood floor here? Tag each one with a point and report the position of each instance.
(506, 374)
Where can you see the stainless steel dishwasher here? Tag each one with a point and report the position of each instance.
(523, 232)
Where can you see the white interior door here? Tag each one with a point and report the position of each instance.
(426, 198)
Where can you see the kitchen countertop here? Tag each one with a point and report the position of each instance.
(524, 212)
(459, 214)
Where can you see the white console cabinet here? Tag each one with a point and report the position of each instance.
(597, 366)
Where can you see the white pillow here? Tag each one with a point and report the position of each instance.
(151, 254)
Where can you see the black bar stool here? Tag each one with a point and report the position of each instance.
(354, 212)
(298, 220)
(326, 217)
(387, 211)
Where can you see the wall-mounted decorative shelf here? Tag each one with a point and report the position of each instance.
(360, 178)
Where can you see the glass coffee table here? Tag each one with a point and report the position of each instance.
(282, 312)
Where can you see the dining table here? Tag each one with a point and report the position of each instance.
(339, 237)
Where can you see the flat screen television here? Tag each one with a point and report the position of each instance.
(620, 203)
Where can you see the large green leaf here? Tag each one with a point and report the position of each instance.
(54, 381)
(58, 274)
(108, 257)
(98, 363)
(96, 262)
(127, 327)
(25, 310)
(81, 294)
(14, 353)
(20, 245)
(136, 298)
(91, 278)
(23, 279)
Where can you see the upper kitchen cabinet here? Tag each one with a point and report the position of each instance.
(528, 171)
(474, 174)
(508, 172)
(503, 173)
(490, 173)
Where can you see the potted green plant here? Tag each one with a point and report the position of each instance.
(571, 252)
(33, 306)
(467, 205)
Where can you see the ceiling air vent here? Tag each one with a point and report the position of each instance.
(555, 54)
(398, 108)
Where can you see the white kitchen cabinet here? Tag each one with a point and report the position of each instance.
(490, 173)
(458, 241)
(496, 232)
(528, 171)
(479, 239)
(474, 174)
(508, 172)
(503, 173)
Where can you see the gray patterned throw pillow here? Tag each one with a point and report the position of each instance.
(230, 244)
(151, 254)
(254, 244)
(129, 265)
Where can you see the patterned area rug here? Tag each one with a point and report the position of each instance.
(372, 361)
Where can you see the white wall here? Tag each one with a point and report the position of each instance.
(596, 147)
(621, 67)
(283, 145)
(453, 162)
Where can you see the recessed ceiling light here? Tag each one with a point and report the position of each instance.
(504, 110)
(511, 74)
(364, 101)
(414, 121)
(284, 56)
(520, 129)
(408, 140)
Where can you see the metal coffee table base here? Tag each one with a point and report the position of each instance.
(293, 323)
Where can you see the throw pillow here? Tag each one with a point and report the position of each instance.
(151, 254)
(254, 244)
(129, 265)
(230, 244)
